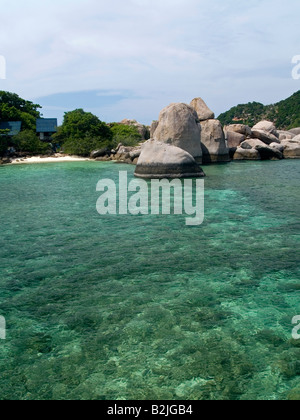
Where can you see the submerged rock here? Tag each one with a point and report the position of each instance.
(161, 160)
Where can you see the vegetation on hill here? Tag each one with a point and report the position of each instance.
(285, 114)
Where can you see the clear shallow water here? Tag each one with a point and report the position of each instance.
(143, 307)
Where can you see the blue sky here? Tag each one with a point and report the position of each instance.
(129, 59)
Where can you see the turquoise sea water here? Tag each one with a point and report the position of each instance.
(143, 307)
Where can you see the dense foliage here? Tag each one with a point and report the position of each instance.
(82, 132)
(128, 135)
(4, 144)
(285, 114)
(14, 108)
(27, 141)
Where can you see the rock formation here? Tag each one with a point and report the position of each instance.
(203, 112)
(266, 126)
(265, 139)
(142, 129)
(239, 128)
(295, 131)
(213, 142)
(178, 126)
(163, 160)
(153, 127)
(246, 154)
(291, 148)
(266, 152)
(234, 139)
(265, 136)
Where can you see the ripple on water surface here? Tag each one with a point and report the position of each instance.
(144, 307)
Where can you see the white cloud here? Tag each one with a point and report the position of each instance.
(161, 50)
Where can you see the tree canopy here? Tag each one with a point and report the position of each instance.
(14, 108)
(285, 114)
(128, 135)
(82, 132)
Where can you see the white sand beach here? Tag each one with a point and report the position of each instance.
(53, 159)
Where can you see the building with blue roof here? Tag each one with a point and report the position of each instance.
(46, 127)
(14, 127)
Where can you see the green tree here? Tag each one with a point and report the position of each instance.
(285, 114)
(27, 141)
(4, 144)
(128, 135)
(14, 108)
(82, 132)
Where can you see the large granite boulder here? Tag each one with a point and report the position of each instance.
(295, 131)
(213, 142)
(246, 154)
(296, 139)
(153, 127)
(266, 152)
(285, 135)
(161, 160)
(252, 144)
(277, 146)
(243, 129)
(265, 136)
(203, 112)
(267, 126)
(100, 153)
(291, 150)
(234, 139)
(127, 154)
(179, 126)
(269, 153)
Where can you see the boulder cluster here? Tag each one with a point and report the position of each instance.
(186, 136)
(262, 142)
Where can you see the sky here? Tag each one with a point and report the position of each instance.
(129, 59)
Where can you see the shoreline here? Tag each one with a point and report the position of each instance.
(48, 159)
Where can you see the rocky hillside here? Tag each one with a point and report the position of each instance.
(285, 114)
